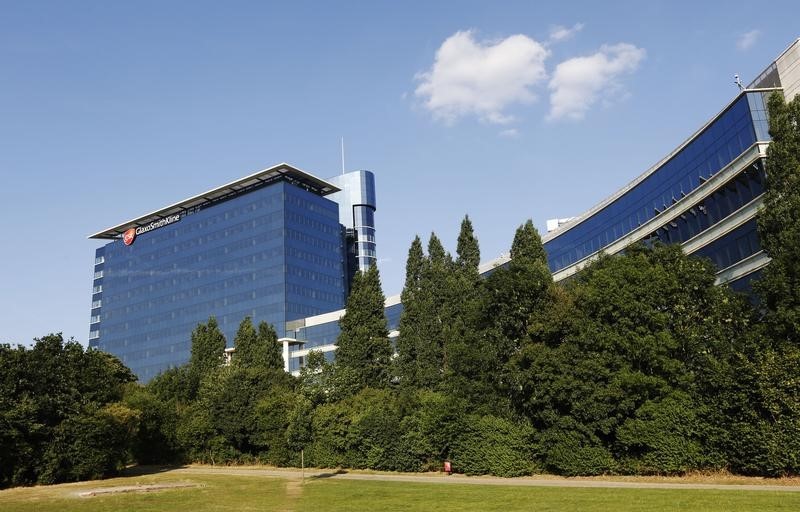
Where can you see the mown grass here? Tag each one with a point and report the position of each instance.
(246, 493)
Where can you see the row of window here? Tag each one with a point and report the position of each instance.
(328, 209)
(732, 247)
(297, 219)
(315, 294)
(152, 315)
(721, 142)
(314, 241)
(170, 276)
(181, 293)
(727, 199)
(295, 254)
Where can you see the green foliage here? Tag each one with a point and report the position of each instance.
(208, 347)
(363, 344)
(257, 349)
(56, 400)
(468, 251)
(664, 436)
(273, 351)
(362, 431)
(89, 445)
(779, 221)
(154, 441)
(492, 445)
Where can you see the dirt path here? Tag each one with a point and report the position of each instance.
(434, 478)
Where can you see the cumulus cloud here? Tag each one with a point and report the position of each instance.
(580, 82)
(559, 33)
(748, 39)
(481, 78)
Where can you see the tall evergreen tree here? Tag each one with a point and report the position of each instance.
(246, 342)
(411, 334)
(466, 344)
(468, 252)
(272, 350)
(435, 291)
(514, 294)
(527, 246)
(208, 348)
(364, 349)
(779, 221)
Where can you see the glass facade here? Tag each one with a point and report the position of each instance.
(357, 205)
(274, 253)
(721, 142)
(742, 124)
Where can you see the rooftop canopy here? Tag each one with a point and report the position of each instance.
(280, 172)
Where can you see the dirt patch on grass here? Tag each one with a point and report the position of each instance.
(102, 491)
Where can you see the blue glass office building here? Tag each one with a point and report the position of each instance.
(269, 246)
(704, 195)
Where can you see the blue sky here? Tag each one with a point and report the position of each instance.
(501, 110)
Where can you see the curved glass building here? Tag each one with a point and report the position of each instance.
(703, 195)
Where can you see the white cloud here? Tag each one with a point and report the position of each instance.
(748, 39)
(511, 133)
(559, 33)
(579, 82)
(470, 77)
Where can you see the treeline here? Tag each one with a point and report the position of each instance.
(639, 364)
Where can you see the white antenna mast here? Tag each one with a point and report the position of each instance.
(342, 155)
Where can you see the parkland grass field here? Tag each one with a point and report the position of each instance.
(177, 490)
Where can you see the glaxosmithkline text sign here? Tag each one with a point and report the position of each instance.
(130, 235)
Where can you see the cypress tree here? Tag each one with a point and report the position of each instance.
(208, 347)
(364, 349)
(468, 251)
(246, 343)
(516, 293)
(779, 221)
(435, 295)
(273, 352)
(527, 246)
(410, 332)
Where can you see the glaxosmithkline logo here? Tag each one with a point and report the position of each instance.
(130, 235)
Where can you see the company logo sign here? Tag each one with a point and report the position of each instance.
(130, 235)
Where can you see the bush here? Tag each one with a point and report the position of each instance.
(492, 445)
(663, 438)
(569, 453)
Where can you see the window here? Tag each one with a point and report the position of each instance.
(93, 335)
(97, 303)
(95, 319)
(97, 288)
(98, 274)
(100, 259)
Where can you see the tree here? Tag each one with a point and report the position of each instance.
(515, 293)
(363, 343)
(779, 221)
(268, 339)
(632, 377)
(58, 400)
(411, 332)
(467, 249)
(257, 349)
(208, 348)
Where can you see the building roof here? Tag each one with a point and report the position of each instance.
(280, 172)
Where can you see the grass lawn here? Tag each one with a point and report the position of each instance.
(245, 493)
